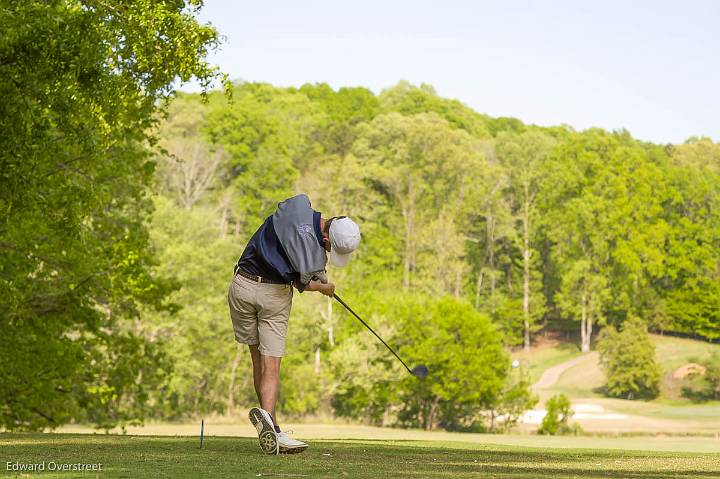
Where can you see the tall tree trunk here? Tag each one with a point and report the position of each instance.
(223, 221)
(526, 272)
(386, 416)
(584, 341)
(430, 419)
(458, 282)
(317, 361)
(588, 329)
(491, 258)
(409, 216)
(478, 289)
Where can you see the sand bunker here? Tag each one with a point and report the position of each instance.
(688, 369)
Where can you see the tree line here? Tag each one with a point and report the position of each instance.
(533, 228)
(121, 225)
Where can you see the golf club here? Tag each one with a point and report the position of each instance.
(419, 371)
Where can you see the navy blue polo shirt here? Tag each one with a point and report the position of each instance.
(264, 256)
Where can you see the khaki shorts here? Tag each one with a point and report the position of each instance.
(259, 313)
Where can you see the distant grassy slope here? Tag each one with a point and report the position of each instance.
(180, 457)
(546, 354)
(674, 352)
(584, 381)
(587, 378)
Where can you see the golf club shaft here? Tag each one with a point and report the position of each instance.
(371, 330)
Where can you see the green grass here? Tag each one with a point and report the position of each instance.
(545, 356)
(585, 380)
(661, 409)
(179, 457)
(674, 352)
(669, 413)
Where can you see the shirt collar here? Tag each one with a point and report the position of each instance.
(318, 231)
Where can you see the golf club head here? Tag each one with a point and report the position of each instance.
(420, 371)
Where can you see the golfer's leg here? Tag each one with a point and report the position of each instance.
(244, 314)
(275, 303)
(257, 369)
(269, 384)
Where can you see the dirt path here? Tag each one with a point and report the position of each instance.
(551, 375)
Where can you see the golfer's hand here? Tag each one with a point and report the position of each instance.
(327, 289)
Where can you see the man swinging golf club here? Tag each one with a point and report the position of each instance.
(289, 249)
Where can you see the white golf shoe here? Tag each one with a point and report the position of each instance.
(288, 445)
(267, 436)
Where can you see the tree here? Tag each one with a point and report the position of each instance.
(268, 135)
(409, 100)
(468, 365)
(556, 420)
(189, 167)
(524, 157)
(81, 82)
(608, 228)
(605, 201)
(628, 359)
(690, 286)
(205, 357)
(421, 168)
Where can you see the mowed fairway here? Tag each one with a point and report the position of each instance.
(156, 456)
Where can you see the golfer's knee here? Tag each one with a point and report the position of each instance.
(270, 366)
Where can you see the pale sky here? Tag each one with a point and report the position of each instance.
(652, 67)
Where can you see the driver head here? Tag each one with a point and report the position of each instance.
(420, 371)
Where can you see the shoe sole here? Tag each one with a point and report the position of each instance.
(266, 431)
(292, 450)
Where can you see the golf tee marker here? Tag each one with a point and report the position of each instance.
(202, 432)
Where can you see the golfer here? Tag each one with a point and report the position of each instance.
(289, 249)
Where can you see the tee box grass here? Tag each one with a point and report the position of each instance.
(181, 457)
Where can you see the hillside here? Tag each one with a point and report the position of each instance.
(558, 367)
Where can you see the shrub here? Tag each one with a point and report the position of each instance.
(707, 385)
(516, 398)
(556, 421)
(628, 359)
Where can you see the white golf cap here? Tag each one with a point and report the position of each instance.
(344, 239)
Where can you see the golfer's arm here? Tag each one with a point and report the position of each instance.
(302, 287)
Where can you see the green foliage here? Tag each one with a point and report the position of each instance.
(604, 202)
(267, 134)
(707, 384)
(628, 359)
(408, 100)
(419, 169)
(692, 287)
(557, 418)
(516, 398)
(80, 83)
(196, 338)
(468, 366)
(532, 225)
(346, 105)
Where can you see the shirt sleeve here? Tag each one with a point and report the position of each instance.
(303, 279)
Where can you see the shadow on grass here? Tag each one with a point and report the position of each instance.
(508, 461)
(153, 456)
